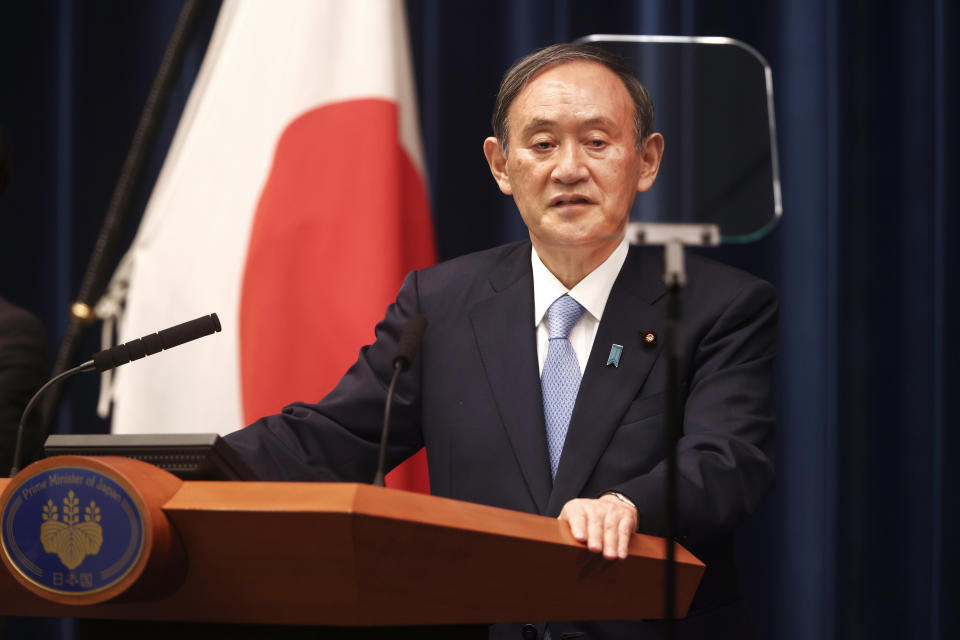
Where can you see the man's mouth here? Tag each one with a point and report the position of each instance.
(561, 201)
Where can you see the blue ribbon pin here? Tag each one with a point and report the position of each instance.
(614, 357)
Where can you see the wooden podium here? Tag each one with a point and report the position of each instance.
(349, 554)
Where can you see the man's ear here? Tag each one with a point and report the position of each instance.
(498, 164)
(650, 156)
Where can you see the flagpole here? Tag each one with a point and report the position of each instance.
(91, 288)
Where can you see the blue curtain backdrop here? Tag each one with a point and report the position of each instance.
(859, 537)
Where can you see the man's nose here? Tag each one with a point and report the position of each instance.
(571, 164)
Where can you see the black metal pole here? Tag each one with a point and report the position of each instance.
(673, 237)
(672, 347)
(94, 279)
(674, 278)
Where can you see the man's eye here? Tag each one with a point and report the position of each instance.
(542, 146)
(597, 144)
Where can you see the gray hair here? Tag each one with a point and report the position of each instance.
(524, 70)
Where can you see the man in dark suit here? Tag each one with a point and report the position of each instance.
(515, 412)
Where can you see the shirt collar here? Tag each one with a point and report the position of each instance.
(591, 292)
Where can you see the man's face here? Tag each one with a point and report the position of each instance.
(572, 164)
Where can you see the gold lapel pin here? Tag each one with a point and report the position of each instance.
(649, 337)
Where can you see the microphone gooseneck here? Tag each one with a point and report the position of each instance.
(407, 348)
(21, 428)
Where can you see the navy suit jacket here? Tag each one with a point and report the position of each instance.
(472, 397)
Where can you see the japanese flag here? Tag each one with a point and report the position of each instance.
(292, 203)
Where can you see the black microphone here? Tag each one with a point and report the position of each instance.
(122, 354)
(409, 341)
(156, 342)
(407, 348)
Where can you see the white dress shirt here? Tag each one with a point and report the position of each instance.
(591, 292)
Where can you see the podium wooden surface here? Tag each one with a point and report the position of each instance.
(354, 554)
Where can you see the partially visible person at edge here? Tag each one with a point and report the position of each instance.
(573, 144)
(23, 359)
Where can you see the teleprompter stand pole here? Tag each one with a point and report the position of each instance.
(673, 238)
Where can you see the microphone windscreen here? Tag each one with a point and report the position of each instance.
(156, 342)
(191, 330)
(410, 341)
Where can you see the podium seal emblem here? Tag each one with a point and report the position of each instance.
(72, 530)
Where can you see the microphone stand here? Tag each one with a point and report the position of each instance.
(379, 479)
(407, 347)
(673, 238)
(116, 356)
(17, 450)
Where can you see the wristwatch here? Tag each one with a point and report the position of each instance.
(619, 496)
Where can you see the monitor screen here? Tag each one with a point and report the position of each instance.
(189, 456)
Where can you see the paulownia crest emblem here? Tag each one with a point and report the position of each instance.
(67, 537)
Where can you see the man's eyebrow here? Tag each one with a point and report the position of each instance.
(538, 123)
(541, 123)
(602, 121)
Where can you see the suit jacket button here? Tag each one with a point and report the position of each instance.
(528, 632)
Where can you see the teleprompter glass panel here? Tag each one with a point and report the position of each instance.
(713, 100)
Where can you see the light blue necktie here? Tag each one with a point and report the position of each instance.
(560, 379)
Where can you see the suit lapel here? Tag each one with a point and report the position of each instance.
(606, 391)
(503, 325)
